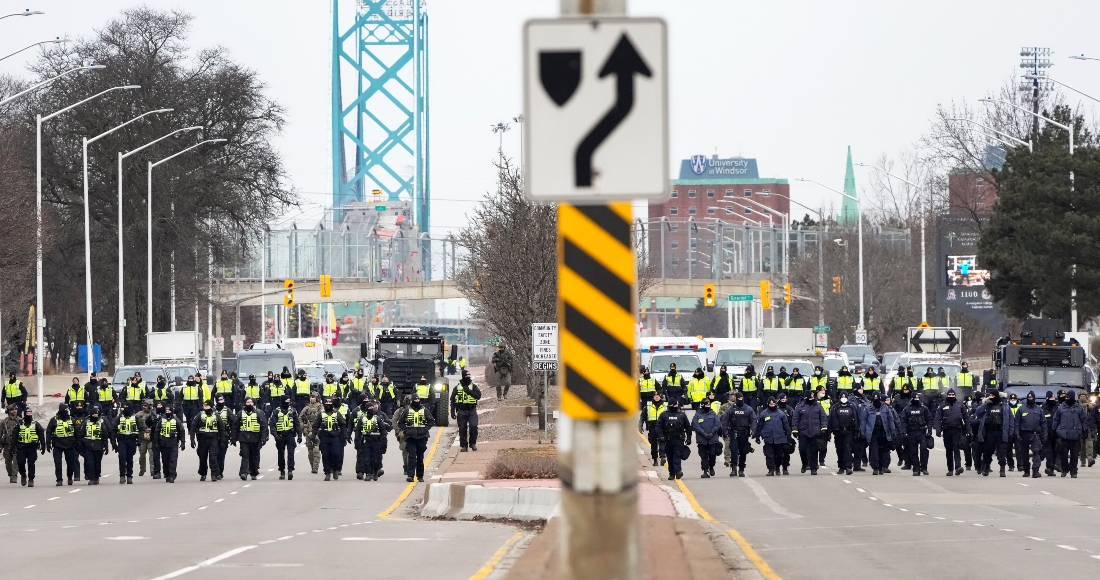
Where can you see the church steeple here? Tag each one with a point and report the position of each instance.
(849, 213)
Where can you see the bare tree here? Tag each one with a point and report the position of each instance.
(510, 272)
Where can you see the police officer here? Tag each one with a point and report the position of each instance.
(918, 425)
(809, 425)
(14, 393)
(673, 386)
(721, 385)
(61, 441)
(502, 368)
(250, 432)
(272, 393)
(951, 423)
(416, 421)
(424, 390)
(1069, 426)
(749, 387)
(770, 384)
(135, 392)
(145, 421)
(261, 397)
(708, 431)
(788, 410)
(329, 388)
(30, 441)
(795, 384)
(872, 382)
(697, 388)
(820, 379)
(672, 429)
(287, 428)
(737, 422)
(464, 400)
(168, 433)
(844, 424)
(76, 392)
(1029, 428)
(651, 411)
(387, 402)
(208, 428)
(994, 429)
(359, 383)
(1051, 447)
(331, 430)
(191, 399)
(224, 389)
(1010, 449)
(965, 379)
(823, 441)
(307, 417)
(773, 427)
(301, 391)
(124, 436)
(9, 428)
(901, 403)
(229, 419)
(878, 426)
(370, 442)
(92, 439)
(647, 385)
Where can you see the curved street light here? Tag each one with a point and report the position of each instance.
(50, 80)
(27, 12)
(859, 211)
(56, 40)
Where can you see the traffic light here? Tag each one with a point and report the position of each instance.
(708, 295)
(766, 294)
(643, 314)
(288, 300)
(787, 293)
(326, 286)
(836, 284)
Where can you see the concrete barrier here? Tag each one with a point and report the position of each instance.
(466, 501)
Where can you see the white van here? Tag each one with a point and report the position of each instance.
(658, 353)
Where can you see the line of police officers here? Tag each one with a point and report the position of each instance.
(786, 412)
(156, 421)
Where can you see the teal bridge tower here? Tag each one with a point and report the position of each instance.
(380, 127)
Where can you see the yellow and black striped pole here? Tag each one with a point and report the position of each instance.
(599, 399)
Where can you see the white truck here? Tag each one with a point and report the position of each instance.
(180, 346)
(788, 344)
(735, 353)
(305, 350)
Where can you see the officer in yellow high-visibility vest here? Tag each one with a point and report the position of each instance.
(819, 379)
(30, 441)
(14, 393)
(965, 380)
(647, 385)
(771, 383)
(250, 432)
(697, 388)
(749, 385)
(224, 388)
(872, 383)
(105, 398)
(191, 399)
(301, 391)
(61, 441)
(652, 411)
(795, 384)
(287, 430)
(845, 383)
(134, 393)
(124, 438)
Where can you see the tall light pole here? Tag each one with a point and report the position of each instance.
(1002, 137)
(820, 257)
(31, 89)
(27, 12)
(859, 211)
(88, 230)
(149, 230)
(1069, 130)
(56, 40)
(121, 302)
(786, 258)
(518, 119)
(923, 260)
(500, 129)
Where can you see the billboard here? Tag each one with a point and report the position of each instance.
(962, 281)
(712, 167)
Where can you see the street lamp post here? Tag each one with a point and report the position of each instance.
(859, 211)
(1003, 136)
(121, 302)
(7, 100)
(88, 233)
(1069, 130)
(149, 231)
(923, 261)
(786, 258)
(27, 12)
(56, 40)
(820, 258)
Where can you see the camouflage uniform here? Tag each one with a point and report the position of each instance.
(8, 427)
(145, 441)
(399, 432)
(307, 417)
(502, 366)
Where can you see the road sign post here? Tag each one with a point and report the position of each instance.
(936, 340)
(596, 119)
(544, 358)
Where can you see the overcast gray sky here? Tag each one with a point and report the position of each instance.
(791, 83)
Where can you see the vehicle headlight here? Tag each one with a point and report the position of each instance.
(439, 387)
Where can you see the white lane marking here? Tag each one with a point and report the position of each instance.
(917, 514)
(4, 514)
(1044, 492)
(1091, 507)
(75, 490)
(219, 500)
(861, 490)
(301, 533)
(938, 518)
(184, 513)
(888, 504)
(1023, 484)
(27, 507)
(332, 528)
(67, 527)
(362, 539)
(343, 525)
(978, 525)
(266, 542)
(872, 498)
(203, 507)
(247, 485)
(271, 469)
(259, 477)
(763, 497)
(1036, 539)
(284, 538)
(315, 531)
(1097, 556)
(958, 521)
(1007, 530)
(902, 510)
(205, 563)
(847, 481)
(53, 498)
(127, 538)
(163, 518)
(232, 493)
(104, 523)
(1065, 547)
(131, 521)
(355, 523)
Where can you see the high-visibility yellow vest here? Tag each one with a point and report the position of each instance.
(964, 379)
(168, 428)
(301, 386)
(716, 406)
(127, 426)
(134, 393)
(826, 404)
(330, 421)
(250, 422)
(12, 390)
(370, 425)
(796, 384)
(462, 362)
(76, 393)
(284, 422)
(328, 390)
(190, 392)
(416, 418)
(652, 412)
(252, 391)
(464, 397)
(647, 385)
(28, 433)
(64, 428)
(842, 383)
(423, 390)
(675, 380)
(874, 383)
(697, 389)
(225, 386)
(748, 385)
(162, 394)
(358, 383)
(106, 394)
(209, 423)
(93, 430)
(771, 384)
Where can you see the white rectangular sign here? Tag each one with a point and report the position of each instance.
(596, 109)
(935, 339)
(544, 342)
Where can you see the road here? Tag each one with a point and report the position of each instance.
(900, 526)
(234, 529)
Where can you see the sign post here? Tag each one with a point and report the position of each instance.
(596, 119)
(544, 357)
(938, 340)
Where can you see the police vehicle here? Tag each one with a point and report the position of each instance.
(660, 353)
(1042, 359)
(404, 356)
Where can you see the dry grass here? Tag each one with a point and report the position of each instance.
(524, 463)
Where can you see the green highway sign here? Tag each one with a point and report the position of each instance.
(740, 298)
(379, 208)
(821, 329)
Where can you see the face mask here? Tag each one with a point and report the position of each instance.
(95, 418)
(168, 414)
(1013, 403)
(285, 405)
(416, 405)
(209, 411)
(771, 406)
(190, 383)
(328, 406)
(221, 405)
(916, 402)
(783, 404)
(844, 400)
(740, 402)
(951, 400)
(1031, 402)
(645, 376)
(877, 403)
(370, 411)
(248, 408)
(385, 383)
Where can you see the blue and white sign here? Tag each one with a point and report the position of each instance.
(704, 167)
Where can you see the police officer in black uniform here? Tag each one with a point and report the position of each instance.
(738, 422)
(951, 423)
(61, 441)
(464, 400)
(208, 428)
(674, 430)
(844, 425)
(287, 428)
(168, 433)
(331, 427)
(918, 425)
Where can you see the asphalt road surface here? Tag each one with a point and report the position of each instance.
(233, 529)
(900, 526)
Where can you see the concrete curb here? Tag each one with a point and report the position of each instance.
(465, 501)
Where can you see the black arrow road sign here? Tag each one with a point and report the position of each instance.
(624, 62)
(936, 338)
